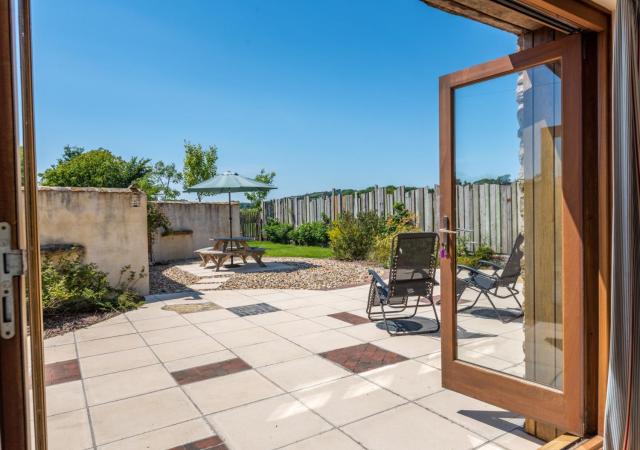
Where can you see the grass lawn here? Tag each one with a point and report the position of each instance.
(299, 251)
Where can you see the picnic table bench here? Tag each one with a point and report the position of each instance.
(219, 253)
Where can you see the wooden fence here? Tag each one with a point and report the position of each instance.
(251, 224)
(489, 211)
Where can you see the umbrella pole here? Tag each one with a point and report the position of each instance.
(230, 229)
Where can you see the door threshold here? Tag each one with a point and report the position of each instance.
(569, 441)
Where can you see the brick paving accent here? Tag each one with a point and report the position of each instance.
(353, 319)
(252, 310)
(436, 299)
(207, 371)
(210, 443)
(362, 357)
(61, 372)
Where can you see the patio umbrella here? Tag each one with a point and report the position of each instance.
(226, 183)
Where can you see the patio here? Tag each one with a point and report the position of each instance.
(267, 369)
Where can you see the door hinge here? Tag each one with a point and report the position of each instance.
(11, 265)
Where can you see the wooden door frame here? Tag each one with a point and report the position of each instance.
(563, 408)
(22, 391)
(14, 413)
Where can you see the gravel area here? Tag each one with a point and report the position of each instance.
(310, 273)
(55, 325)
(167, 278)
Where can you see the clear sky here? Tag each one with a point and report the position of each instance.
(328, 94)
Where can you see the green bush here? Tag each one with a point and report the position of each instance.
(401, 221)
(484, 252)
(70, 286)
(278, 232)
(470, 258)
(312, 233)
(352, 238)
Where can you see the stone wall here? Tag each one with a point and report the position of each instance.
(109, 224)
(193, 224)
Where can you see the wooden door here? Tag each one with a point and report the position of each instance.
(516, 121)
(22, 394)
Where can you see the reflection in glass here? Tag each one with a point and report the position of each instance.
(508, 157)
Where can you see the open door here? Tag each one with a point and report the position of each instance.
(22, 392)
(513, 335)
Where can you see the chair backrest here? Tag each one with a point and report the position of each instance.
(413, 264)
(513, 267)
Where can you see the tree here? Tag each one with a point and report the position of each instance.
(70, 152)
(162, 179)
(199, 165)
(95, 168)
(502, 179)
(256, 198)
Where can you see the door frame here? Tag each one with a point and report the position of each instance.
(22, 383)
(14, 413)
(564, 408)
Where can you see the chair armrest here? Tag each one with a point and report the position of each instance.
(377, 279)
(495, 265)
(462, 267)
(479, 275)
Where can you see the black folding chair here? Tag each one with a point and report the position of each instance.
(412, 275)
(485, 284)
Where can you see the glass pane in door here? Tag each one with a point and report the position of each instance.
(508, 163)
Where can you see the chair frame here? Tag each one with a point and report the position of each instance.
(384, 292)
(496, 281)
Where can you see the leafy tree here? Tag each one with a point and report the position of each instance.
(70, 152)
(256, 198)
(199, 165)
(95, 168)
(162, 179)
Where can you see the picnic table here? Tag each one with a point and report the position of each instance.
(228, 247)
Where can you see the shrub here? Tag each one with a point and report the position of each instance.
(351, 238)
(401, 221)
(312, 233)
(70, 286)
(470, 258)
(278, 232)
(484, 252)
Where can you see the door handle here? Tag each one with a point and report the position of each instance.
(445, 232)
(11, 265)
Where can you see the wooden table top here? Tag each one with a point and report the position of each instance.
(235, 238)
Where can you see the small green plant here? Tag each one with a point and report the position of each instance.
(70, 286)
(156, 220)
(352, 238)
(470, 258)
(278, 232)
(311, 233)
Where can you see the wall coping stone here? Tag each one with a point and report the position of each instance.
(90, 189)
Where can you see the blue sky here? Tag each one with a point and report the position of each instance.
(328, 94)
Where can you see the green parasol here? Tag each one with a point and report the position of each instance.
(226, 183)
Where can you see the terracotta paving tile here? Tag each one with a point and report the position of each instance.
(252, 310)
(353, 319)
(436, 299)
(61, 372)
(363, 357)
(210, 443)
(212, 370)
